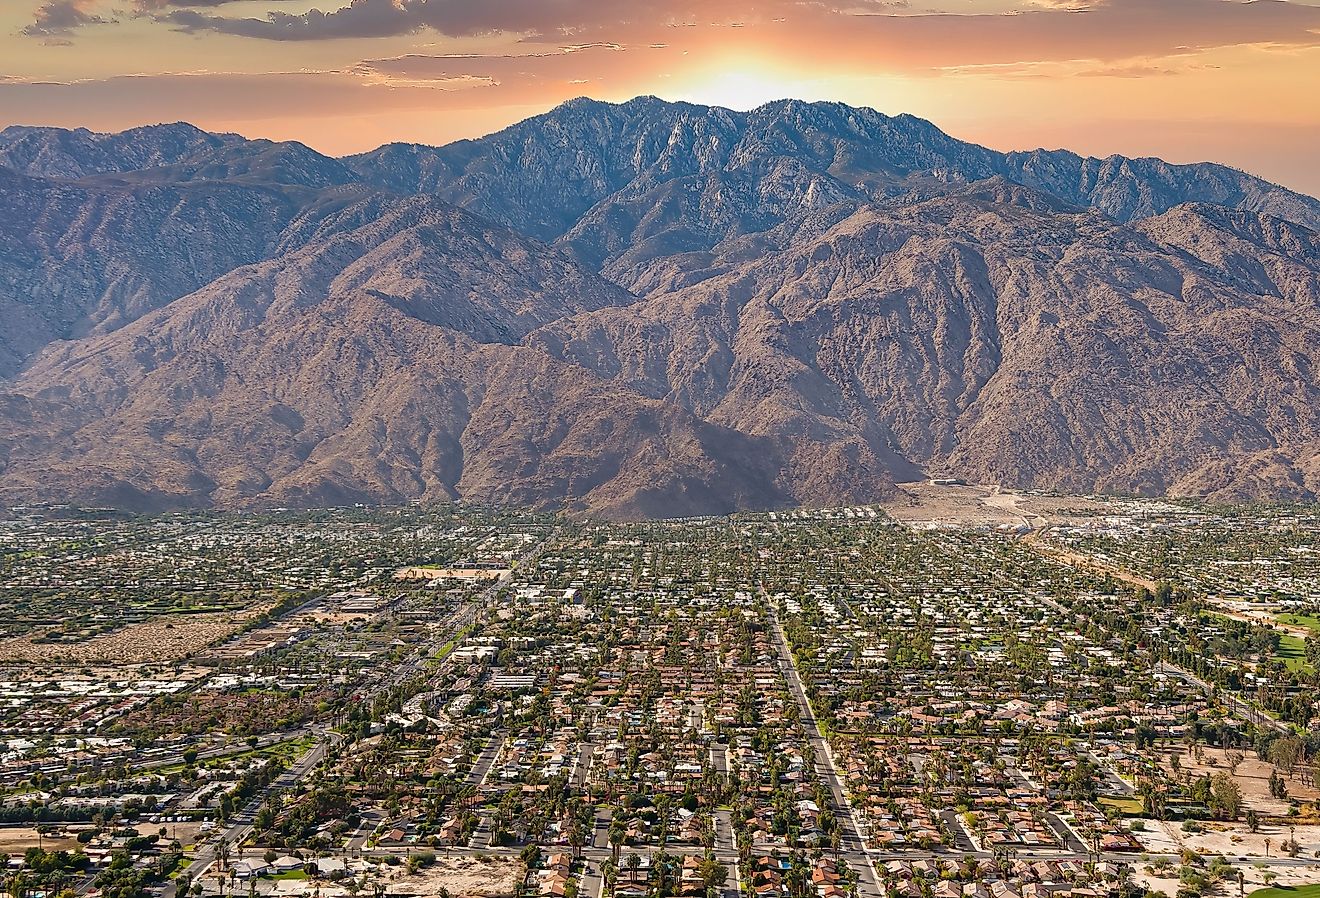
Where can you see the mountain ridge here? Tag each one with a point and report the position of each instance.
(648, 309)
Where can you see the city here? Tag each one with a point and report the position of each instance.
(976, 694)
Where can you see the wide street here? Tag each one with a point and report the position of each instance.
(853, 839)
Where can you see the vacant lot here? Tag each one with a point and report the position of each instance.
(162, 639)
(1252, 777)
(955, 505)
(14, 840)
(465, 876)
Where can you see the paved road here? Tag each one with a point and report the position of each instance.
(962, 841)
(462, 618)
(583, 767)
(484, 835)
(486, 760)
(853, 843)
(719, 758)
(370, 820)
(242, 827)
(724, 839)
(593, 884)
(1236, 705)
(1065, 834)
(600, 832)
(1113, 783)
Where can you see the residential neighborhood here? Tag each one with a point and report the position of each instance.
(832, 704)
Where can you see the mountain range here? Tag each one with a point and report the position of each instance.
(645, 309)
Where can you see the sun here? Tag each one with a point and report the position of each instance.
(737, 90)
(741, 89)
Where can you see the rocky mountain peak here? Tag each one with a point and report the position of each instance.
(646, 308)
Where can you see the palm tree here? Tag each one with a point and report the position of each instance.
(577, 839)
(616, 836)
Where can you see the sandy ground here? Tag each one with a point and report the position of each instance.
(1080, 560)
(1252, 777)
(161, 639)
(1244, 850)
(924, 504)
(15, 840)
(186, 833)
(465, 876)
(1158, 881)
(1232, 840)
(448, 573)
(1166, 882)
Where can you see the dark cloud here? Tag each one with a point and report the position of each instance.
(464, 18)
(363, 18)
(55, 19)
(158, 5)
(862, 32)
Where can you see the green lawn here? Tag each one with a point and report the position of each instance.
(1292, 652)
(1129, 806)
(291, 874)
(1311, 891)
(1300, 620)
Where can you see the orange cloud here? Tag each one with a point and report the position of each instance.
(1037, 71)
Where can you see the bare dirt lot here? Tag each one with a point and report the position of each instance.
(1232, 840)
(186, 833)
(1255, 854)
(1244, 850)
(923, 503)
(14, 840)
(1165, 881)
(465, 877)
(1252, 777)
(162, 639)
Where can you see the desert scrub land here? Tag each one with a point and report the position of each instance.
(240, 713)
(162, 639)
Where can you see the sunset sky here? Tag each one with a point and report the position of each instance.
(1188, 80)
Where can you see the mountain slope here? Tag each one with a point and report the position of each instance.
(646, 309)
(583, 166)
(1001, 343)
(165, 153)
(81, 258)
(59, 153)
(371, 365)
